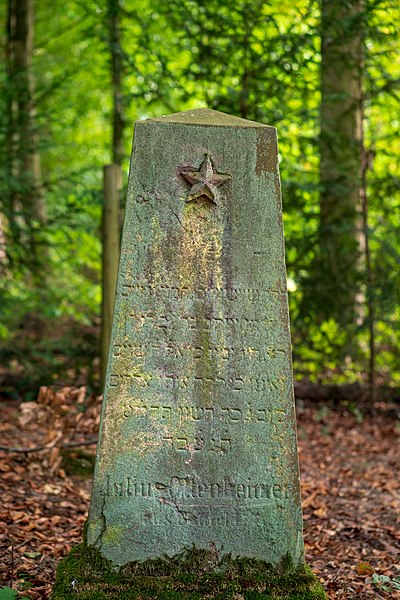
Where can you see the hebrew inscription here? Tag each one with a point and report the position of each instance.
(198, 441)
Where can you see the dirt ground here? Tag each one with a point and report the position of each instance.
(350, 485)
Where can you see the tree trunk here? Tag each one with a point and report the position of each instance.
(114, 10)
(112, 185)
(340, 151)
(10, 201)
(26, 203)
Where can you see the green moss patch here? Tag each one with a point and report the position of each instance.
(78, 462)
(192, 575)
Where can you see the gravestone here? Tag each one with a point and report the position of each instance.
(198, 439)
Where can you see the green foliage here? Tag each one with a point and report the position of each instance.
(384, 582)
(193, 574)
(78, 462)
(257, 59)
(7, 593)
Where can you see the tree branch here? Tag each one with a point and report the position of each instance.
(90, 442)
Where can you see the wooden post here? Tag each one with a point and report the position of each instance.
(112, 179)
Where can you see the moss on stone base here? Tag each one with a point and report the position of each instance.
(193, 575)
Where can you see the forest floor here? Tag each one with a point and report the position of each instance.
(350, 485)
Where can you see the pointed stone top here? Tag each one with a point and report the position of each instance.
(207, 118)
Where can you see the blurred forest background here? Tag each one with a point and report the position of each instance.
(74, 78)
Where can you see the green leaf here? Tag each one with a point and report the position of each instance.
(7, 593)
(396, 583)
(32, 554)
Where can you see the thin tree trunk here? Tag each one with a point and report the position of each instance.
(245, 78)
(340, 150)
(114, 10)
(32, 196)
(27, 206)
(10, 203)
(112, 185)
(370, 305)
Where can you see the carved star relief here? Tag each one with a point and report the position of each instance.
(204, 181)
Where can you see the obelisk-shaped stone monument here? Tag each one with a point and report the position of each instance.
(198, 439)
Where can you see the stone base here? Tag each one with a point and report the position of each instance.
(193, 575)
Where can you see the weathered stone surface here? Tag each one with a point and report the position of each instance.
(198, 441)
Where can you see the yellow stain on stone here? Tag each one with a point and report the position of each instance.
(114, 414)
(112, 534)
(200, 246)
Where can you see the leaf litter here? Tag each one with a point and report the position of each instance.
(350, 489)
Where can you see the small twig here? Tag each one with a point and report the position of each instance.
(12, 564)
(49, 447)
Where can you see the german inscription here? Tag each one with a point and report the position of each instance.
(198, 441)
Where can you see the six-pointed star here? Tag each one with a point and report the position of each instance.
(204, 181)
